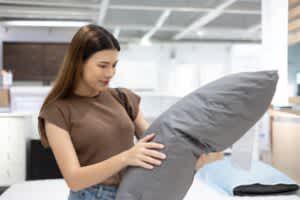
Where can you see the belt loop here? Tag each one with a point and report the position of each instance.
(99, 192)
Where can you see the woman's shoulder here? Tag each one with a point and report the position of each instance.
(60, 105)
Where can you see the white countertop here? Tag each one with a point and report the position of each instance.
(16, 114)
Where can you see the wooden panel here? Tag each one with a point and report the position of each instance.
(292, 2)
(285, 148)
(284, 112)
(294, 12)
(295, 24)
(33, 61)
(24, 60)
(54, 54)
(295, 100)
(293, 38)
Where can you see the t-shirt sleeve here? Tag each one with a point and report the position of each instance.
(55, 114)
(133, 101)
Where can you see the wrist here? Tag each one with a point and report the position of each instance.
(123, 158)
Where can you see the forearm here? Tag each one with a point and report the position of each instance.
(87, 176)
(141, 127)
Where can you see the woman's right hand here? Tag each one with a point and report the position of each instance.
(143, 154)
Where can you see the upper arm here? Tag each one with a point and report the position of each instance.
(140, 124)
(63, 150)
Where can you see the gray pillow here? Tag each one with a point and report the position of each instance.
(209, 119)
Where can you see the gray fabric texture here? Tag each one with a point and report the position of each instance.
(209, 119)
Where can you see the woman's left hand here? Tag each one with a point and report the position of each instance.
(200, 162)
(208, 158)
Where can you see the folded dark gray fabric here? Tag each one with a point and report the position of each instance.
(209, 119)
(261, 189)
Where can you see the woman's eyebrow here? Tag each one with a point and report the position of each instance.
(107, 62)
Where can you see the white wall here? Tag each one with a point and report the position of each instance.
(194, 65)
(246, 57)
(275, 44)
(180, 68)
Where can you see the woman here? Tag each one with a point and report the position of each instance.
(88, 130)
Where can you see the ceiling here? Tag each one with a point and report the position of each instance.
(155, 20)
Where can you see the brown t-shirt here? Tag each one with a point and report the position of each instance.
(99, 126)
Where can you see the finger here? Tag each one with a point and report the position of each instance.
(151, 160)
(155, 154)
(147, 137)
(145, 165)
(154, 145)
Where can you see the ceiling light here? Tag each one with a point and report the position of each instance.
(41, 23)
(200, 33)
(145, 42)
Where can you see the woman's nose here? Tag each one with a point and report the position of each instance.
(109, 72)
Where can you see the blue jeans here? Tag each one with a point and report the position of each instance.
(96, 192)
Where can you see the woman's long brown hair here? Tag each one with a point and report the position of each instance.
(88, 40)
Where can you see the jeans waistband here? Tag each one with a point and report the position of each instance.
(100, 186)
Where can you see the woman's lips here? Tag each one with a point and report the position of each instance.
(105, 82)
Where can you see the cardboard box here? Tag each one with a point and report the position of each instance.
(4, 97)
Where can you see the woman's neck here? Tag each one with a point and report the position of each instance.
(83, 90)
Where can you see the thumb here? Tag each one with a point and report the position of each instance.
(148, 137)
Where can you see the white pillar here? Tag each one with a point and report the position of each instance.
(275, 44)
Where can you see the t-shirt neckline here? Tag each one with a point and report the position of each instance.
(88, 97)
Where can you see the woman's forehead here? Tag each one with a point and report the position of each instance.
(106, 55)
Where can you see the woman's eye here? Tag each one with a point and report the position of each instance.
(104, 66)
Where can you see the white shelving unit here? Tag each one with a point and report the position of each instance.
(13, 132)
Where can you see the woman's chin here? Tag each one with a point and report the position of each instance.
(102, 88)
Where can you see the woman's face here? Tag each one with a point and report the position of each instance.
(99, 69)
